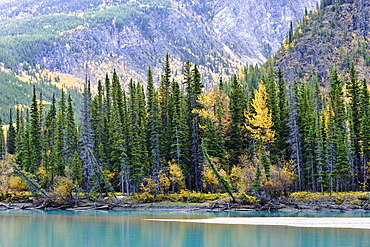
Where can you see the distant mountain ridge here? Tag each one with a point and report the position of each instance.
(219, 35)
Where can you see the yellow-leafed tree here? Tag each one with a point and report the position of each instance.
(259, 123)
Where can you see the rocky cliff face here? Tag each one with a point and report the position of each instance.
(218, 35)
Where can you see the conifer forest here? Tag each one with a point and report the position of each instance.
(252, 133)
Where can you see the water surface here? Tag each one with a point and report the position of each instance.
(131, 228)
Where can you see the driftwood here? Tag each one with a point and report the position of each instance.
(2, 205)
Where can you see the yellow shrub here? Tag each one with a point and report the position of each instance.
(164, 181)
(242, 177)
(43, 177)
(239, 178)
(17, 184)
(176, 176)
(280, 181)
(63, 188)
(150, 186)
(209, 180)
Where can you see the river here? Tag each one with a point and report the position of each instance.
(173, 228)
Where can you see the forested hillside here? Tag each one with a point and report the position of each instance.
(221, 36)
(16, 90)
(333, 37)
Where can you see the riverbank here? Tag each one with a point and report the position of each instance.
(300, 201)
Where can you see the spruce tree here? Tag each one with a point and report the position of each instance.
(98, 117)
(294, 139)
(35, 135)
(196, 153)
(23, 156)
(2, 140)
(307, 129)
(19, 125)
(282, 130)
(164, 96)
(365, 128)
(339, 170)
(237, 107)
(49, 133)
(273, 106)
(353, 87)
(93, 178)
(136, 134)
(70, 137)
(178, 126)
(59, 144)
(11, 137)
(153, 125)
(117, 158)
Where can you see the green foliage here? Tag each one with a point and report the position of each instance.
(11, 137)
(2, 140)
(237, 107)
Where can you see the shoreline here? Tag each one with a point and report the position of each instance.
(192, 207)
(296, 202)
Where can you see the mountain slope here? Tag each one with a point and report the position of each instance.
(218, 35)
(335, 36)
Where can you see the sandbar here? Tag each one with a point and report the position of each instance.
(322, 222)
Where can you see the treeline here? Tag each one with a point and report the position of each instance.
(263, 135)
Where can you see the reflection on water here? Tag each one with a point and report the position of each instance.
(127, 228)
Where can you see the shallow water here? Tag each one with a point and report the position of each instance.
(131, 228)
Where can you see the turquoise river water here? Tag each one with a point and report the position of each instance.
(141, 228)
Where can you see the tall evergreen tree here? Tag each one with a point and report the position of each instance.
(99, 121)
(70, 136)
(117, 157)
(178, 125)
(272, 99)
(23, 156)
(136, 134)
(237, 107)
(196, 153)
(19, 125)
(92, 175)
(282, 130)
(11, 137)
(307, 129)
(2, 140)
(59, 144)
(35, 135)
(153, 125)
(365, 129)
(339, 167)
(49, 133)
(164, 96)
(294, 139)
(353, 87)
